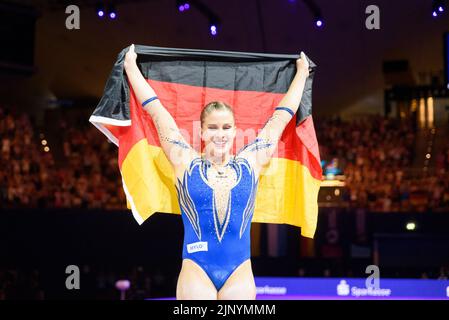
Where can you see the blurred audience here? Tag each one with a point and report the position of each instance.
(86, 174)
(375, 155)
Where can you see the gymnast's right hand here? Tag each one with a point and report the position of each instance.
(130, 57)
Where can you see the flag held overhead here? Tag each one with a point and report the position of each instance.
(185, 80)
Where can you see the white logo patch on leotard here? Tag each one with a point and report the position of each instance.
(197, 246)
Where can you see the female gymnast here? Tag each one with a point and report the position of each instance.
(216, 190)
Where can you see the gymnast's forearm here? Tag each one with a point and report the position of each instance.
(294, 93)
(141, 87)
(143, 91)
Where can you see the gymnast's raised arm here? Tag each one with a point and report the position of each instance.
(177, 150)
(260, 151)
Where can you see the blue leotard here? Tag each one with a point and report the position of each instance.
(217, 243)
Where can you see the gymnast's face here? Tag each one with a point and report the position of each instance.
(218, 132)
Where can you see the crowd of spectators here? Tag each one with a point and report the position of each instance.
(375, 154)
(85, 175)
(91, 167)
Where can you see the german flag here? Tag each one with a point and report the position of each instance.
(185, 81)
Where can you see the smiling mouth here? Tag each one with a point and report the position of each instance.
(220, 144)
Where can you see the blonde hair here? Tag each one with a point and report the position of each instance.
(212, 106)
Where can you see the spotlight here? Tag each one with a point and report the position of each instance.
(437, 8)
(214, 23)
(214, 20)
(316, 12)
(182, 5)
(213, 29)
(112, 12)
(99, 8)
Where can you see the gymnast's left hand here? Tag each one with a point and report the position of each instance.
(302, 65)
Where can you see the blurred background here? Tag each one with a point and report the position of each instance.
(381, 113)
